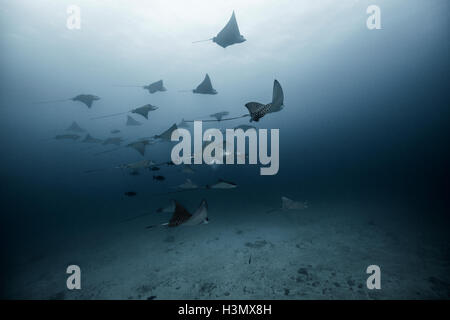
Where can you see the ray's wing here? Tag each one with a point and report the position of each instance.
(139, 147)
(277, 97)
(88, 103)
(132, 122)
(143, 111)
(230, 31)
(286, 203)
(200, 215)
(205, 85)
(180, 215)
(84, 99)
(156, 86)
(167, 135)
(254, 107)
(75, 127)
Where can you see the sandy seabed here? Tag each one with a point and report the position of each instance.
(318, 253)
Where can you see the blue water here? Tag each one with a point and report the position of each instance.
(365, 122)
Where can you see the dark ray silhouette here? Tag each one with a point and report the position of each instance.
(87, 99)
(74, 127)
(151, 88)
(143, 111)
(132, 122)
(182, 217)
(229, 35)
(258, 110)
(205, 87)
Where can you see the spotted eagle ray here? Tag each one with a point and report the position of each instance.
(166, 135)
(258, 110)
(219, 120)
(143, 164)
(132, 122)
(288, 204)
(188, 185)
(219, 115)
(222, 184)
(205, 87)
(74, 127)
(229, 35)
(143, 111)
(87, 99)
(140, 145)
(183, 124)
(151, 88)
(181, 217)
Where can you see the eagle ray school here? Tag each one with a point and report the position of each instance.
(218, 147)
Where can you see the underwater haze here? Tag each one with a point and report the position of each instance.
(363, 150)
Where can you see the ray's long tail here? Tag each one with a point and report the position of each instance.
(110, 115)
(50, 101)
(121, 86)
(203, 40)
(216, 120)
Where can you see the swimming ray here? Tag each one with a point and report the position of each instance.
(258, 110)
(155, 87)
(229, 35)
(139, 146)
(182, 217)
(216, 120)
(188, 185)
(205, 87)
(151, 88)
(166, 135)
(143, 164)
(219, 115)
(87, 99)
(222, 184)
(143, 111)
(183, 124)
(132, 122)
(288, 204)
(74, 127)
